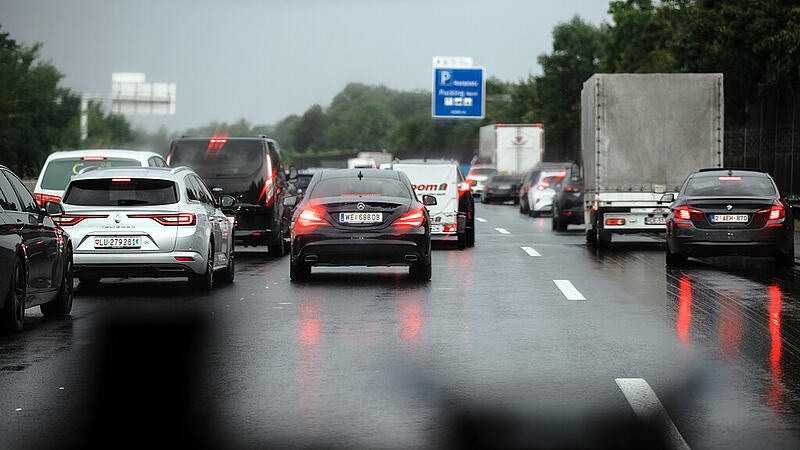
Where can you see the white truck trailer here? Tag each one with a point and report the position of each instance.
(641, 136)
(513, 149)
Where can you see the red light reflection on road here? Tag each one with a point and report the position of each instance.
(410, 317)
(730, 326)
(309, 330)
(684, 309)
(775, 392)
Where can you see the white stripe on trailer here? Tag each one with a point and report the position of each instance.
(648, 407)
(530, 251)
(569, 290)
(502, 231)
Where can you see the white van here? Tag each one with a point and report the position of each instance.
(60, 167)
(453, 216)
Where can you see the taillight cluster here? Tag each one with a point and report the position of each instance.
(463, 188)
(777, 214)
(67, 220)
(571, 189)
(686, 213)
(411, 219)
(311, 217)
(182, 219)
(41, 199)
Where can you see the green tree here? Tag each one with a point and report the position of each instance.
(309, 129)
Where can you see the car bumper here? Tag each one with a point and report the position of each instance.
(693, 241)
(363, 249)
(572, 215)
(507, 195)
(137, 264)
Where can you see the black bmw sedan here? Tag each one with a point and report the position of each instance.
(35, 256)
(730, 212)
(361, 217)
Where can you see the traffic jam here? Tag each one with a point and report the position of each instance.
(218, 294)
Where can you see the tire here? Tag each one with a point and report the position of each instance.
(674, 259)
(558, 223)
(229, 273)
(299, 272)
(62, 304)
(522, 208)
(205, 281)
(421, 271)
(12, 316)
(276, 250)
(535, 213)
(462, 239)
(471, 234)
(785, 259)
(591, 236)
(603, 238)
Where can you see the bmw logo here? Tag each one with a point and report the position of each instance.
(729, 207)
(361, 206)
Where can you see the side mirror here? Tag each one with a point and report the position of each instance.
(290, 201)
(428, 200)
(473, 182)
(667, 198)
(226, 201)
(53, 209)
(292, 172)
(793, 200)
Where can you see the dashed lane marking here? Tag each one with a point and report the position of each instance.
(480, 219)
(648, 407)
(502, 231)
(569, 290)
(530, 251)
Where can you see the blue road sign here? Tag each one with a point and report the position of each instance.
(458, 92)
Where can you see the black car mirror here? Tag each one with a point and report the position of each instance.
(429, 200)
(290, 201)
(227, 201)
(53, 209)
(292, 172)
(667, 198)
(793, 200)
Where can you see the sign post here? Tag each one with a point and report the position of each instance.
(458, 92)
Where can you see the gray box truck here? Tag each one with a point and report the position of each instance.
(641, 136)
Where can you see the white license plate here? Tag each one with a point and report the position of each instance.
(504, 186)
(117, 242)
(655, 220)
(730, 218)
(358, 217)
(437, 228)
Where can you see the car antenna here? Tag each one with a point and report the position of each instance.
(360, 175)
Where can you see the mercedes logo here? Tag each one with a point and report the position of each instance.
(360, 206)
(729, 207)
(118, 218)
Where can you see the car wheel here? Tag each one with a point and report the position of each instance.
(421, 271)
(521, 207)
(230, 271)
(471, 233)
(205, 281)
(277, 250)
(62, 305)
(462, 239)
(299, 271)
(535, 213)
(13, 314)
(786, 259)
(674, 259)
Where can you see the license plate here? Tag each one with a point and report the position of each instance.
(504, 186)
(358, 217)
(437, 228)
(730, 218)
(117, 242)
(655, 221)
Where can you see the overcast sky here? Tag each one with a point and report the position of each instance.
(263, 60)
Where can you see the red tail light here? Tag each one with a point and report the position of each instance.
(615, 221)
(268, 191)
(463, 188)
(120, 180)
(571, 189)
(73, 219)
(93, 158)
(172, 220)
(686, 213)
(169, 159)
(777, 212)
(41, 199)
(311, 217)
(729, 178)
(184, 258)
(541, 187)
(411, 219)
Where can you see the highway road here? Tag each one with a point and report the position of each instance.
(530, 338)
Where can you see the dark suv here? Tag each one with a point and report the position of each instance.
(250, 170)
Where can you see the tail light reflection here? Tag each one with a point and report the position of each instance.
(684, 309)
(775, 390)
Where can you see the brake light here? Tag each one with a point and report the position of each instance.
(169, 159)
(777, 212)
(540, 187)
(182, 219)
(219, 141)
(615, 221)
(73, 219)
(41, 199)
(685, 213)
(463, 188)
(118, 180)
(311, 217)
(571, 189)
(729, 178)
(411, 219)
(93, 158)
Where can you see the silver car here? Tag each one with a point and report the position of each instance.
(147, 222)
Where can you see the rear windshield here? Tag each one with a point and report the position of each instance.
(724, 186)
(136, 192)
(219, 159)
(350, 187)
(302, 181)
(59, 172)
(486, 171)
(504, 179)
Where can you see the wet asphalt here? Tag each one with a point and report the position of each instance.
(491, 352)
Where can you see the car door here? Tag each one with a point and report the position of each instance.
(39, 239)
(9, 240)
(216, 219)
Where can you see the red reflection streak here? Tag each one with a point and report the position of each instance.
(309, 326)
(775, 393)
(730, 326)
(684, 309)
(410, 312)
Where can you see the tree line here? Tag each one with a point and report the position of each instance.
(755, 43)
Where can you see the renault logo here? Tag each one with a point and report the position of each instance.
(361, 206)
(118, 218)
(729, 207)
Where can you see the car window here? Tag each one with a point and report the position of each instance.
(352, 186)
(723, 186)
(155, 161)
(26, 198)
(59, 172)
(8, 198)
(222, 158)
(131, 192)
(191, 189)
(203, 192)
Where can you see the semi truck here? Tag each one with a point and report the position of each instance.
(513, 149)
(641, 136)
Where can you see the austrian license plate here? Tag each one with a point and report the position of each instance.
(117, 242)
(658, 220)
(730, 218)
(360, 217)
(437, 228)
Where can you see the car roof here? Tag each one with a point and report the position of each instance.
(107, 152)
(371, 173)
(729, 172)
(171, 173)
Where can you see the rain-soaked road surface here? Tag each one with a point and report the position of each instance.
(529, 339)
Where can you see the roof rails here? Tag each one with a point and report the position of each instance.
(178, 169)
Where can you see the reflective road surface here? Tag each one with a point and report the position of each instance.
(530, 339)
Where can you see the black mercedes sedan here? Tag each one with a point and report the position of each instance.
(35, 256)
(360, 217)
(730, 212)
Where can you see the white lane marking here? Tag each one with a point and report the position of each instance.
(502, 231)
(530, 251)
(480, 219)
(646, 406)
(569, 290)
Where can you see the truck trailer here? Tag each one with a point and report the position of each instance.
(641, 136)
(513, 149)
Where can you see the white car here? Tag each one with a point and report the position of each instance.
(453, 215)
(60, 167)
(540, 195)
(148, 222)
(477, 177)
